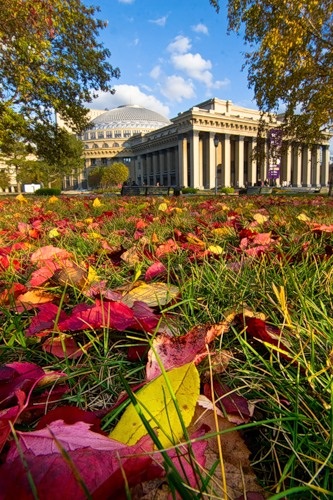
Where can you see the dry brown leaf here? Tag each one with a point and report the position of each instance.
(240, 478)
(72, 275)
(131, 256)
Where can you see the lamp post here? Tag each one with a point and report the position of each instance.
(216, 143)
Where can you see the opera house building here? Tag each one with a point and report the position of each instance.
(212, 144)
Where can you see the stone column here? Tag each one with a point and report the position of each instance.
(325, 163)
(252, 162)
(306, 167)
(212, 161)
(194, 159)
(239, 161)
(182, 155)
(226, 161)
(297, 164)
(316, 161)
(149, 168)
(169, 164)
(288, 164)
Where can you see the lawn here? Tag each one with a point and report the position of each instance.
(176, 347)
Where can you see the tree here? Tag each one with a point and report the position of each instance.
(51, 59)
(290, 61)
(95, 177)
(117, 173)
(60, 153)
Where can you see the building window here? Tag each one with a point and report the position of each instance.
(92, 135)
(115, 145)
(105, 145)
(108, 134)
(86, 146)
(117, 134)
(100, 135)
(127, 133)
(95, 146)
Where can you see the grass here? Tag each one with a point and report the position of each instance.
(290, 436)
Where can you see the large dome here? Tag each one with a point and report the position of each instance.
(129, 117)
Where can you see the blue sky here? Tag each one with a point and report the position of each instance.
(172, 55)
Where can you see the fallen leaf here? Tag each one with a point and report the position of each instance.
(153, 294)
(237, 471)
(176, 351)
(156, 404)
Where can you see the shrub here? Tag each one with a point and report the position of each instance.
(48, 192)
(227, 190)
(189, 190)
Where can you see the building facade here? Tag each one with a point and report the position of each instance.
(212, 144)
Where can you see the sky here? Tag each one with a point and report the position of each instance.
(172, 55)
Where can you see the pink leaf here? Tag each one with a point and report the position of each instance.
(156, 269)
(100, 462)
(50, 253)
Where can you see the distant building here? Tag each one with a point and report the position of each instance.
(211, 143)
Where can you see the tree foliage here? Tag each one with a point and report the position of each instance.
(117, 173)
(51, 59)
(290, 59)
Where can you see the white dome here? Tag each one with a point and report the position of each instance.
(129, 117)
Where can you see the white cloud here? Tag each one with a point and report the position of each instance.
(194, 66)
(129, 94)
(161, 21)
(155, 72)
(200, 28)
(126, 1)
(176, 88)
(180, 45)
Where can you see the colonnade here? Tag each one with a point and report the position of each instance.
(205, 159)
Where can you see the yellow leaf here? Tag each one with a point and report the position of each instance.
(96, 203)
(153, 294)
(303, 217)
(223, 231)
(53, 199)
(53, 233)
(21, 198)
(157, 406)
(89, 220)
(92, 275)
(260, 218)
(94, 236)
(163, 207)
(215, 249)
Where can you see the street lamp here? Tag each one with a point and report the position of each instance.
(216, 143)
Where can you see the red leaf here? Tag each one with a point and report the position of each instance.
(236, 407)
(71, 415)
(156, 269)
(63, 347)
(100, 461)
(45, 319)
(177, 351)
